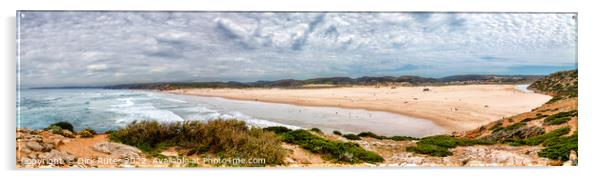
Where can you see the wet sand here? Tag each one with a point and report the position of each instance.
(455, 108)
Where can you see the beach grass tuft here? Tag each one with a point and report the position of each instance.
(222, 138)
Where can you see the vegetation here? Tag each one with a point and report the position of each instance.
(62, 125)
(352, 137)
(559, 148)
(223, 138)
(316, 130)
(439, 145)
(395, 138)
(337, 133)
(87, 132)
(346, 152)
(370, 134)
(536, 140)
(403, 138)
(337, 81)
(561, 85)
(560, 118)
(277, 129)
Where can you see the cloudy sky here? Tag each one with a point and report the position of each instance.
(99, 48)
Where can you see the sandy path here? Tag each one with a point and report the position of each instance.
(455, 108)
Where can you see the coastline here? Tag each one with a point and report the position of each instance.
(455, 108)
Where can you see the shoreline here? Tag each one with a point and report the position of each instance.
(437, 105)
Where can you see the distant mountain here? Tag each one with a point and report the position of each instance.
(341, 81)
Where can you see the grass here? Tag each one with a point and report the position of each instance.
(560, 118)
(343, 152)
(223, 138)
(439, 145)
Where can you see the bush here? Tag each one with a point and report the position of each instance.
(352, 137)
(438, 145)
(432, 150)
(277, 129)
(55, 129)
(370, 134)
(85, 134)
(63, 125)
(559, 118)
(316, 130)
(90, 130)
(347, 152)
(559, 148)
(337, 133)
(536, 140)
(224, 138)
(403, 138)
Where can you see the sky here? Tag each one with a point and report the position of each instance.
(59, 48)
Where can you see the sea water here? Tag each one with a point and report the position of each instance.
(103, 109)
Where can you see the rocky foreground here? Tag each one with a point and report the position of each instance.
(45, 149)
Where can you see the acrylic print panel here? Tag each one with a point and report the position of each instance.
(319, 89)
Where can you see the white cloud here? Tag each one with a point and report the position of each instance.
(56, 47)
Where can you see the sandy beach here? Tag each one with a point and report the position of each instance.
(455, 108)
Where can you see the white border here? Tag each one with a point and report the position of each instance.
(589, 78)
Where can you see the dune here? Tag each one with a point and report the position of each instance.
(455, 108)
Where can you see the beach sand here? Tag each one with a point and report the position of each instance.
(455, 108)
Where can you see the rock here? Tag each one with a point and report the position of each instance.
(67, 133)
(116, 150)
(475, 163)
(32, 156)
(64, 141)
(57, 157)
(25, 150)
(572, 159)
(169, 153)
(57, 142)
(35, 146)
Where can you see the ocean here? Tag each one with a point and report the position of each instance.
(104, 109)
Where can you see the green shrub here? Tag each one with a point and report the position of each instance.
(55, 129)
(347, 152)
(85, 134)
(352, 137)
(559, 118)
(224, 138)
(438, 145)
(316, 130)
(90, 130)
(199, 149)
(496, 127)
(370, 134)
(536, 140)
(63, 125)
(559, 148)
(432, 150)
(402, 138)
(337, 133)
(277, 129)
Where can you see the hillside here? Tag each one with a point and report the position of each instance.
(561, 85)
(340, 81)
(553, 125)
